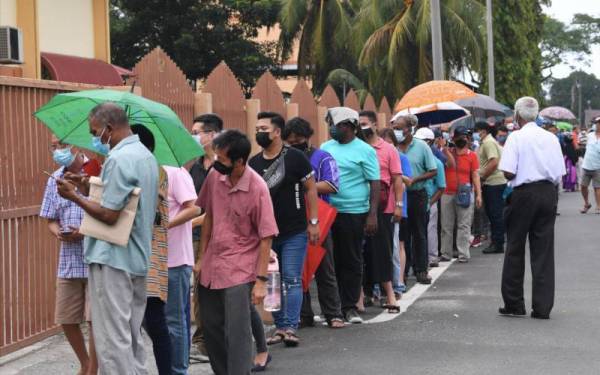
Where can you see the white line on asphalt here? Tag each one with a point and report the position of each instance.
(412, 295)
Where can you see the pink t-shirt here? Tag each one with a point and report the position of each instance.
(181, 190)
(389, 164)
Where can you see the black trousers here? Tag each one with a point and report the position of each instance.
(155, 323)
(348, 231)
(327, 287)
(530, 213)
(494, 209)
(378, 254)
(416, 244)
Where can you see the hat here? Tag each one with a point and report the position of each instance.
(460, 131)
(425, 134)
(596, 120)
(338, 115)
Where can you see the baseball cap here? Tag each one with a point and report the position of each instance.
(425, 134)
(338, 115)
(460, 131)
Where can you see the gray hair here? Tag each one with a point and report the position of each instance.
(109, 113)
(411, 120)
(527, 108)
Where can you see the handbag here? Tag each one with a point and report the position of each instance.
(117, 233)
(463, 191)
(275, 174)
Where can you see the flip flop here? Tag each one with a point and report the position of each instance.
(586, 208)
(276, 338)
(336, 323)
(392, 309)
(291, 339)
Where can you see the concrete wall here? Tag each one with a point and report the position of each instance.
(8, 12)
(66, 27)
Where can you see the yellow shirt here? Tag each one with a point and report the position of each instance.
(490, 149)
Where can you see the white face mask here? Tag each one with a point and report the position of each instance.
(197, 138)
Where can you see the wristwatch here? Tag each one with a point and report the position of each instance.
(314, 221)
(262, 278)
(400, 204)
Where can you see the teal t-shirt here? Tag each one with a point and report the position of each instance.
(438, 182)
(357, 164)
(129, 165)
(421, 161)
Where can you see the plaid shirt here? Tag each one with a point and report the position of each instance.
(67, 213)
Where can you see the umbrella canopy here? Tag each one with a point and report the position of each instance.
(433, 92)
(433, 114)
(561, 125)
(558, 113)
(66, 115)
(482, 106)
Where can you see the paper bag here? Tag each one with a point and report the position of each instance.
(117, 233)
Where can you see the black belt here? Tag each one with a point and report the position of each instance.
(530, 184)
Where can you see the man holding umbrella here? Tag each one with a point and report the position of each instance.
(117, 275)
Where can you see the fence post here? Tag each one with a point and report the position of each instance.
(202, 103)
(252, 110)
(322, 127)
(381, 121)
(292, 110)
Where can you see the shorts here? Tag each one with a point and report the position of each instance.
(72, 301)
(403, 232)
(591, 176)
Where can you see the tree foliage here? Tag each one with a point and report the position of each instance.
(563, 91)
(197, 34)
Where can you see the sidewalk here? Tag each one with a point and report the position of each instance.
(54, 356)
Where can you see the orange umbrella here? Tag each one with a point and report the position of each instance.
(434, 92)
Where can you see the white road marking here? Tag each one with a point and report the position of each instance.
(411, 295)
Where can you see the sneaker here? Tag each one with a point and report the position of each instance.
(434, 264)
(493, 249)
(352, 317)
(198, 354)
(423, 278)
(444, 258)
(476, 241)
(463, 260)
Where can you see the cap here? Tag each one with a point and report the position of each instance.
(337, 115)
(425, 134)
(460, 131)
(596, 120)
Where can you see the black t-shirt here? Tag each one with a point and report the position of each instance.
(288, 198)
(198, 173)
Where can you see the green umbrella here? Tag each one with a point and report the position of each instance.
(561, 125)
(67, 117)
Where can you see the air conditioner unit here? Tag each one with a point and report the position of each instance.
(11, 45)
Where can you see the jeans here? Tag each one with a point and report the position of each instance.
(290, 251)
(417, 223)
(177, 317)
(155, 323)
(494, 208)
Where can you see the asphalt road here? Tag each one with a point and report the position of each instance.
(453, 328)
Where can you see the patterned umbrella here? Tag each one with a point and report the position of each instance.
(558, 113)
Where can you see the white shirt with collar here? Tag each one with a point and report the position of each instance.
(532, 154)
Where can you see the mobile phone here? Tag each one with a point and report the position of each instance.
(66, 232)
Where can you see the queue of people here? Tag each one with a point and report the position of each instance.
(405, 198)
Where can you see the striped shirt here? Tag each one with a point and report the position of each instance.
(67, 214)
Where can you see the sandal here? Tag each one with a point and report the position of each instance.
(392, 309)
(586, 208)
(336, 323)
(276, 338)
(291, 340)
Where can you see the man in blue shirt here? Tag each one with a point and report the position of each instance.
(117, 275)
(357, 202)
(424, 167)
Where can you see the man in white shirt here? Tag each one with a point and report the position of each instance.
(591, 168)
(532, 162)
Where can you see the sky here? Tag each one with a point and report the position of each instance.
(564, 10)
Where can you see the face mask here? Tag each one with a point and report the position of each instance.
(476, 137)
(335, 133)
(301, 146)
(399, 135)
(197, 138)
(446, 136)
(501, 138)
(460, 143)
(263, 140)
(102, 148)
(63, 156)
(222, 168)
(367, 132)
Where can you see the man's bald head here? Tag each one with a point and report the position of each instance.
(109, 114)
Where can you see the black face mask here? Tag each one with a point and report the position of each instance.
(301, 146)
(461, 143)
(222, 168)
(263, 140)
(367, 133)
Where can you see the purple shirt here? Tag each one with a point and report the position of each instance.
(67, 214)
(326, 170)
(242, 215)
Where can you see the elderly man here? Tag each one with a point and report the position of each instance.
(117, 275)
(532, 162)
(591, 168)
(424, 167)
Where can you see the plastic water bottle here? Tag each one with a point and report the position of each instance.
(273, 299)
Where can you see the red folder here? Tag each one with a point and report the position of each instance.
(315, 253)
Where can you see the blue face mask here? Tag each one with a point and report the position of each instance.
(101, 148)
(501, 138)
(476, 137)
(63, 156)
